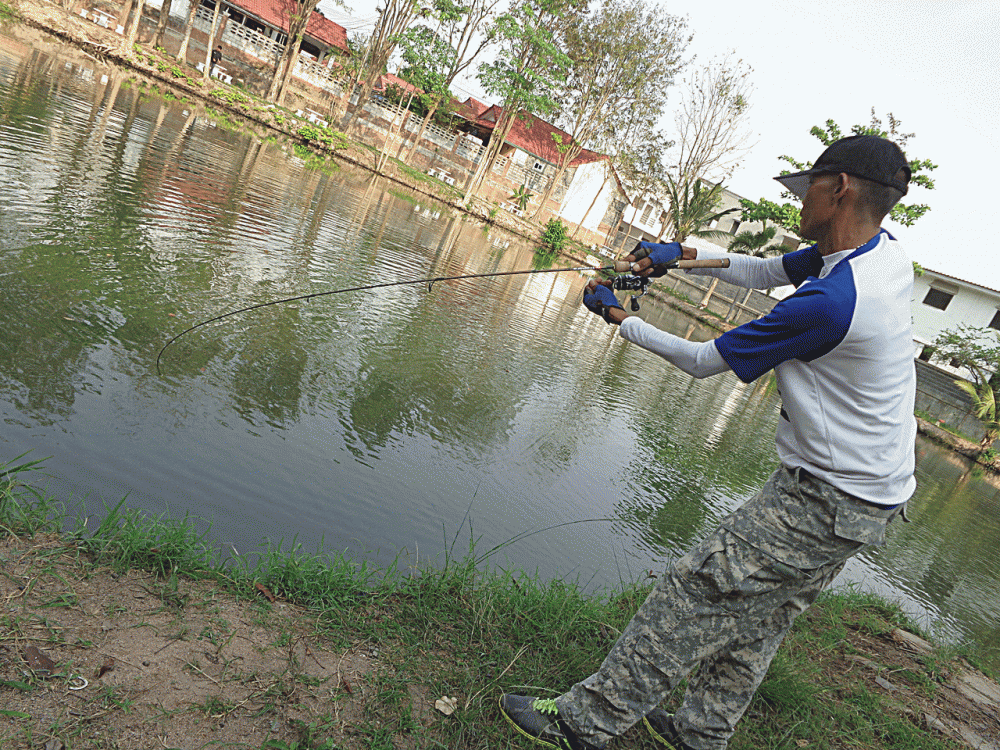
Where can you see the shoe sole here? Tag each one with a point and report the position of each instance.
(534, 740)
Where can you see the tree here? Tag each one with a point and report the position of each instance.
(133, 8)
(624, 52)
(528, 67)
(188, 28)
(977, 350)
(693, 208)
(638, 157)
(393, 19)
(787, 214)
(161, 23)
(435, 58)
(297, 13)
(210, 42)
(711, 120)
(757, 243)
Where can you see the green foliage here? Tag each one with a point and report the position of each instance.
(977, 350)
(529, 65)
(784, 214)
(332, 139)
(918, 270)
(901, 213)
(693, 207)
(521, 197)
(231, 95)
(757, 243)
(554, 235)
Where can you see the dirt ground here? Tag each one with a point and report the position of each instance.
(130, 661)
(92, 659)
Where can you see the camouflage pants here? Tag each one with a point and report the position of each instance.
(725, 608)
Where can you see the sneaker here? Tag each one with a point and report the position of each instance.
(538, 719)
(661, 726)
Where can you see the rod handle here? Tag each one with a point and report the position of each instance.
(624, 266)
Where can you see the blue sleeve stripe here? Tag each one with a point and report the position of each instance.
(806, 325)
(802, 264)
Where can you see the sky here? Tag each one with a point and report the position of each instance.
(934, 64)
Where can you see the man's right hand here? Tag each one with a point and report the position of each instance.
(653, 259)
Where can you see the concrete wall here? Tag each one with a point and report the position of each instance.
(730, 301)
(939, 397)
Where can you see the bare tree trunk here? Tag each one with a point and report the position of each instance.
(210, 43)
(188, 27)
(420, 134)
(561, 168)
(280, 83)
(490, 156)
(133, 28)
(126, 12)
(161, 24)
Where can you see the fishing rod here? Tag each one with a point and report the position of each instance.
(631, 283)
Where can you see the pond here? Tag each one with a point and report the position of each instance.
(495, 415)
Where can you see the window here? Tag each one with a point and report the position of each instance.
(647, 212)
(995, 323)
(736, 226)
(938, 298)
(926, 353)
(539, 167)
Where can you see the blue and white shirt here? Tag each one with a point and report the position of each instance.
(842, 352)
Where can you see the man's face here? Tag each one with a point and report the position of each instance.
(818, 205)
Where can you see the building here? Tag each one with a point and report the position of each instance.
(942, 302)
(644, 221)
(258, 29)
(530, 156)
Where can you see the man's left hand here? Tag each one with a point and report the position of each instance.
(599, 299)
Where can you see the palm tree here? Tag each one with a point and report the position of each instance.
(693, 209)
(756, 243)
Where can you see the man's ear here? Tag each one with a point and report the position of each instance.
(843, 182)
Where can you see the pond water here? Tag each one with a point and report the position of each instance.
(395, 422)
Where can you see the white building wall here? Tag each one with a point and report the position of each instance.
(971, 305)
(587, 181)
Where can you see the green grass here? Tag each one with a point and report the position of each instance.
(459, 629)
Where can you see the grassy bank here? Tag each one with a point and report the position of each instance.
(301, 650)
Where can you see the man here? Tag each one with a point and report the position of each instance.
(216, 59)
(842, 353)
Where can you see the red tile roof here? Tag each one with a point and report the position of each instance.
(388, 79)
(534, 135)
(275, 13)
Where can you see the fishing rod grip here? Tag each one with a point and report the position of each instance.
(623, 266)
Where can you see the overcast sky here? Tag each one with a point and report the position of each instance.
(935, 65)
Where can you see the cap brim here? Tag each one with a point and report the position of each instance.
(797, 183)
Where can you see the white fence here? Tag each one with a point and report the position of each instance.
(251, 42)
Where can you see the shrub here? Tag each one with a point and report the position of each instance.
(555, 235)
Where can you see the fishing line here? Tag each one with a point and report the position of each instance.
(429, 281)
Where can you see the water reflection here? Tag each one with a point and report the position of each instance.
(383, 420)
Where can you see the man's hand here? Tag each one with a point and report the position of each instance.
(653, 259)
(599, 299)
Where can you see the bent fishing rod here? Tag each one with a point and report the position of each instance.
(629, 283)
